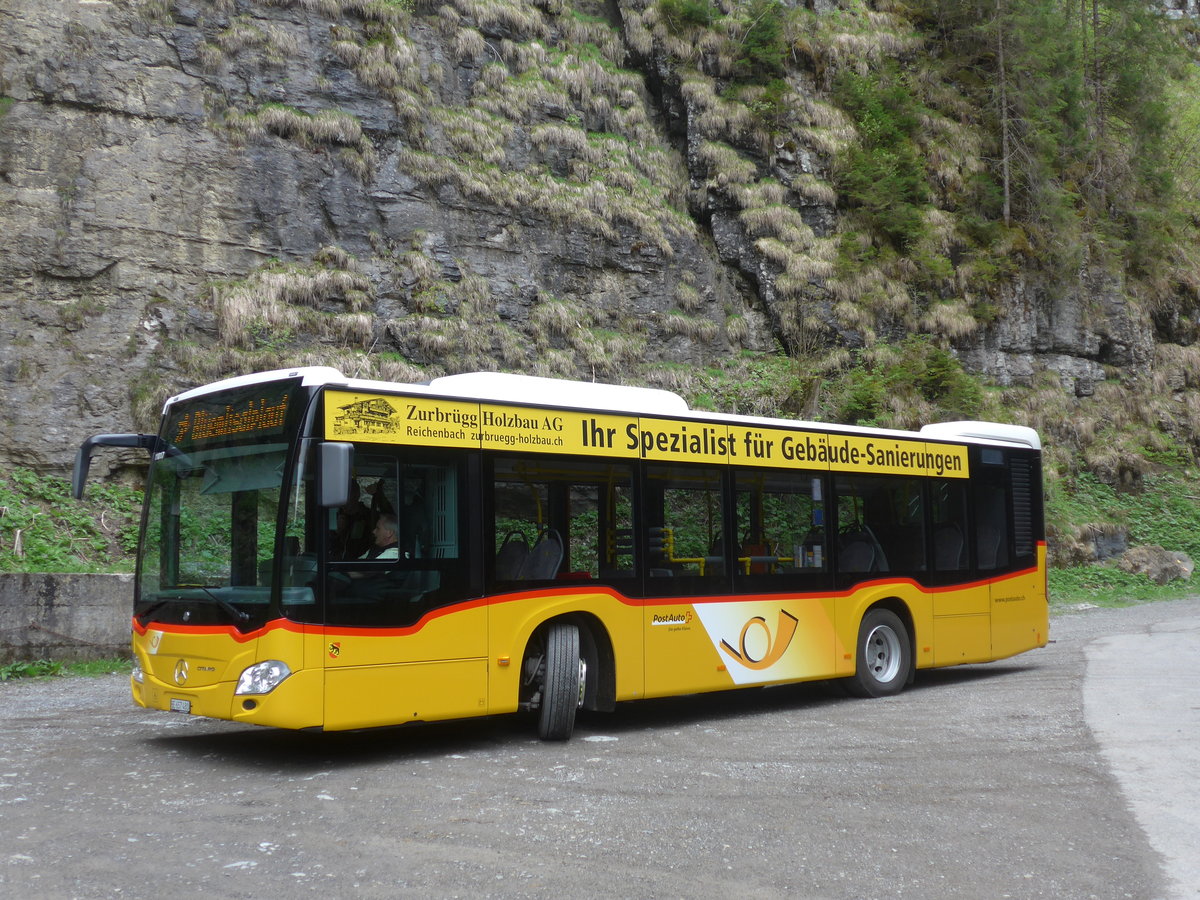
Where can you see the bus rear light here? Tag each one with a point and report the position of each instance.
(263, 677)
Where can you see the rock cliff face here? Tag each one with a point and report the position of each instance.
(1076, 335)
(152, 153)
(189, 189)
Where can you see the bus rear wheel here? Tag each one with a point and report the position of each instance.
(883, 658)
(562, 682)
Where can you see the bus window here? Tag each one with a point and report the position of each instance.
(780, 524)
(353, 523)
(300, 546)
(991, 521)
(684, 514)
(414, 562)
(215, 525)
(948, 512)
(560, 519)
(881, 524)
(601, 529)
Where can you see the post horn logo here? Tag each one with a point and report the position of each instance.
(776, 646)
(181, 672)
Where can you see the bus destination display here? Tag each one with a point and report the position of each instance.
(244, 415)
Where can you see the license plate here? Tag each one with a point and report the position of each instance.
(183, 706)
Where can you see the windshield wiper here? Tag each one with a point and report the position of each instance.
(156, 605)
(239, 616)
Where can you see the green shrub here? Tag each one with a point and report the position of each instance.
(883, 173)
(877, 388)
(768, 384)
(45, 668)
(762, 49)
(771, 104)
(35, 669)
(942, 380)
(678, 15)
(43, 530)
(1106, 585)
(90, 668)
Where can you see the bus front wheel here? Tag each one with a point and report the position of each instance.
(883, 660)
(562, 682)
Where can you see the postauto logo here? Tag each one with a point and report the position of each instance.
(675, 618)
(773, 646)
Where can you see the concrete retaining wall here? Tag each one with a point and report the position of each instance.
(57, 616)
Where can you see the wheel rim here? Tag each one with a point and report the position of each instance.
(883, 653)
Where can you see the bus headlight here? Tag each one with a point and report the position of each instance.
(139, 677)
(263, 677)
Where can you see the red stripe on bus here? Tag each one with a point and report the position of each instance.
(552, 592)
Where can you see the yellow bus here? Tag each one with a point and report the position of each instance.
(319, 552)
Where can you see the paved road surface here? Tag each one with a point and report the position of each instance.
(1016, 779)
(1142, 701)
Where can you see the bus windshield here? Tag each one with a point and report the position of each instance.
(210, 536)
(213, 506)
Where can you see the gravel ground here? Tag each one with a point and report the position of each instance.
(979, 782)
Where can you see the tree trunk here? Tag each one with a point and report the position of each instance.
(1002, 76)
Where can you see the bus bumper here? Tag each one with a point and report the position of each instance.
(296, 703)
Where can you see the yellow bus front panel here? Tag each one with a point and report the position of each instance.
(196, 671)
(363, 697)
(434, 669)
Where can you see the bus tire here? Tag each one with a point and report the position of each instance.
(560, 683)
(883, 656)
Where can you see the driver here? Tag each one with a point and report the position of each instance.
(387, 539)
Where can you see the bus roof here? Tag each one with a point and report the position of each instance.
(984, 432)
(504, 387)
(309, 375)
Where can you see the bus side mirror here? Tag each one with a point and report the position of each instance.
(83, 459)
(336, 461)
